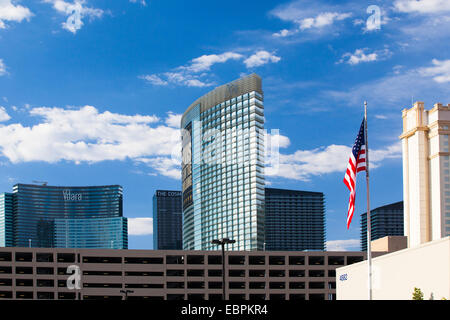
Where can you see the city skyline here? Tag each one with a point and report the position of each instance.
(97, 99)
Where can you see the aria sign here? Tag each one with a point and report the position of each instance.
(69, 196)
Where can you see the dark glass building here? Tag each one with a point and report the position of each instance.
(385, 221)
(68, 217)
(167, 220)
(294, 220)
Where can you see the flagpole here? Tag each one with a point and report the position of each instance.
(369, 248)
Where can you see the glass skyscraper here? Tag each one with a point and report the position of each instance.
(223, 167)
(6, 220)
(384, 221)
(167, 220)
(295, 220)
(67, 217)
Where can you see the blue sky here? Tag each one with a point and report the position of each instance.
(91, 92)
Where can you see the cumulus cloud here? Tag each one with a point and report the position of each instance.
(4, 116)
(2, 68)
(361, 55)
(74, 12)
(10, 11)
(307, 15)
(440, 71)
(343, 245)
(422, 6)
(304, 164)
(140, 226)
(194, 74)
(142, 2)
(173, 119)
(260, 58)
(86, 135)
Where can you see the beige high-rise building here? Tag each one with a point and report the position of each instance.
(426, 177)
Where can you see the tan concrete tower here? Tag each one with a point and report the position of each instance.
(426, 185)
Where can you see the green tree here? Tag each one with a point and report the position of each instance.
(417, 294)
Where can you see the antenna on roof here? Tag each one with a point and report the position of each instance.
(44, 183)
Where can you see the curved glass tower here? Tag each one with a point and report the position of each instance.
(222, 167)
(69, 217)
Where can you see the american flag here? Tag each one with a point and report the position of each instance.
(356, 163)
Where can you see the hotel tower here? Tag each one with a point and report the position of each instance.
(222, 167)
(426, 176)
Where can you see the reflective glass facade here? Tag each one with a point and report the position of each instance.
(6, 220)
(223, 163)
(68, 217)
(295, 220)
(384, 221)
(167, 220)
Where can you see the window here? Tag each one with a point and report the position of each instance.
(46, 296)
(195, 285)
(5, 270)
(145, 285)
(41, 270)
(196, 273)
(24, 256)
(66, 257)
(257, 285)
(24, 295)
(256, 260)
(5, 256)
(144, 260)
(332, 273)
(174, 259)
(45, 283)
(354, 259)
(316, 260)
(5, 295)
(300, 260)
(236, 260)
(316, 296)
(196, 296)
(296, 273)
(24, 270)
(254, 296)
(44, 257)
(277, 285)
(297, 297)
(102, 273)
(256, 273)
(276, 260)
(66, 295)
(215, 297)
(214, 259)
(175, 285)
(102, 285)
(336, 261)
(5, 282)
(175, 273)
(145, 273)
(277, 297)
(214, 273)
(24, 282)
(317, 285)
(277, 273)
(195, 259)
(236, 273)
(175, 297)
(317, 273)
(236, 285)
(296, 285)
(237, 296)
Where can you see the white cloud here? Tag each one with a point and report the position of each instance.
(10, 11)
(173, 120)
(260, 58)
(205, 62)
(422, 6)
(194, 73)
(303, 164)
(140, 226)
(169, 167)
(440, 71)
(343, 245)
(323, 19)
(86, 135)
(4, 116)
(361, 55)
(2, 68)
(75, 12)
(142, 2)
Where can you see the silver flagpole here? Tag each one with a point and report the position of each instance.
(369, 248)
